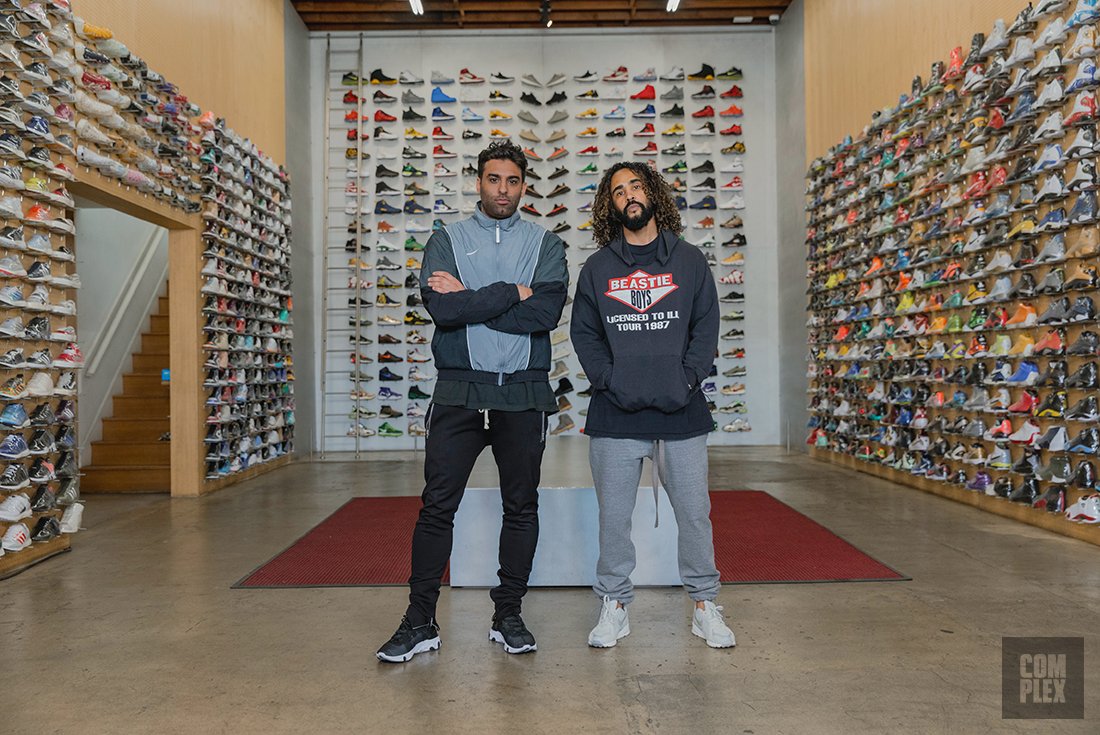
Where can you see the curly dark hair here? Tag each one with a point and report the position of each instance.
(606, 226)
(504, 150)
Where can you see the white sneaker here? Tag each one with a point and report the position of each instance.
(997, 38)
(613, 625)
(1053, 34)
(710, 625)
(70, 521)
(41, 384)
(1084, 46)
(16, 538)
(15, 508)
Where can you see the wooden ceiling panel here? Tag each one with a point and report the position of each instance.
(382, 15)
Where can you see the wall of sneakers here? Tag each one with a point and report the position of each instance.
(247, 305)
(404, 126)
(953, 274)
(59, 77)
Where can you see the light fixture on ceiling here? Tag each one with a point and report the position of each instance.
(672, 6)
(742, 19)
(417, 7)
(546, 14)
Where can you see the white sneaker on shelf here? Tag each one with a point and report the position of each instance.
(709, 624)
(70, 521)
(613, 625)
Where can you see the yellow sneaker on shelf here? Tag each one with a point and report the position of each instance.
(499, 115)
(414, 134)
(89, 32)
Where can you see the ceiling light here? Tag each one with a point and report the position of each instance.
(417, 7)
(742, 19)
(672, 6)
(546, 13)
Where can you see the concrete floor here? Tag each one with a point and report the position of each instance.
(137, 630)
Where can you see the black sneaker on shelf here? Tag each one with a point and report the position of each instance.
(513, 634)
(407, 641)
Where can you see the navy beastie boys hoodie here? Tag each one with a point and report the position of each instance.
(646, 337)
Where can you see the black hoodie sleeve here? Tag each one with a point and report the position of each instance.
(703, 328)
(472, 306)
(541, 311)
(586, 331)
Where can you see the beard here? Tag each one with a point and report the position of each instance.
(496, 211)
(636, 222)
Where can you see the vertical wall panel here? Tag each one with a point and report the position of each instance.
(861, 54)
(226, 56)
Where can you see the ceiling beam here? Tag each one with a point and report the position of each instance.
(402, 6)
(503, 19)
(486, 26)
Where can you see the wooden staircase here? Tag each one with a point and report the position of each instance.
(130, 458)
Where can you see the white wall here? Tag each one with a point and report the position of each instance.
(542, 54)
(123, 266)
(304, 251)
(790, 188)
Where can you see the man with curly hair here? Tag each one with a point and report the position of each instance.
(645, 327)
(495, 285)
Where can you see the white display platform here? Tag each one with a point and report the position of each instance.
(568, 539)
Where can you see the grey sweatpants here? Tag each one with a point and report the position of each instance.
(617, 470)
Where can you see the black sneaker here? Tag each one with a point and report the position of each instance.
(530, 99)
(47, 528)
(382, 172)
(408, 641)
(674, 111)
(558, 172)
(470, 134)
(37, 329)
(378, 77)
(412, 115)
(66, 466)
(44, 500)
(556, 98)
(383, 188)
(513, 634)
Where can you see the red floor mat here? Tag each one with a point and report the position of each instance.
(757, 539)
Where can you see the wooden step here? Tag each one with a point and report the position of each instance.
(139, 407)
(155, 343)
(144, 384)
(133, 453)
(162, 305)
(147, 362)
(140, 430)
(115, 479)
(158, 324)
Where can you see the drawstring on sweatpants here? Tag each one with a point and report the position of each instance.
(657, 450)
(485, 413)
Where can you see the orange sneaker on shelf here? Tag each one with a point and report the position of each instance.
(1025, 316)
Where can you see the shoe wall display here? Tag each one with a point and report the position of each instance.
(953, 272)
(405, 156)
(129, 122)
(40, 360)
(247, 305)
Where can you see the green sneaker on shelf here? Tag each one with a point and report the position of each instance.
(385, 430)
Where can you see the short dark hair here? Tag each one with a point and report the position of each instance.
(503, 150)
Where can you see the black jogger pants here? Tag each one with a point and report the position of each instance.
(456, 437)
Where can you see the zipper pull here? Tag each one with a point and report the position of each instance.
(498, 233)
